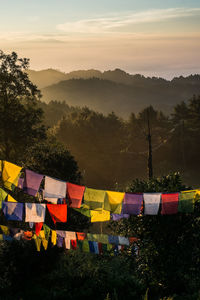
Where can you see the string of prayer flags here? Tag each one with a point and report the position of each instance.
(32, 182)
(186, 201)
(113, 202)
(75, 194)
(58, 212)
(170, 203)
(99, 216)
(10, 175)
(35, 212)
(54, 188)
(151, 203)
(132, 204)
(94, 199)
(13, 211)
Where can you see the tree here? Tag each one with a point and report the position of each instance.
(21, 119)
(168, 262)
(147, 132)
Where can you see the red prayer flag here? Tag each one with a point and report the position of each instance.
(38, 227)
(75, 194)
(170, 203)
(74, 244)
(100, 248)
(58, 212)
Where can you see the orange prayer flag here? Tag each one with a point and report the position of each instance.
(81, 236)
(58, 212)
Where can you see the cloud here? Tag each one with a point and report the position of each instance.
(116, 22)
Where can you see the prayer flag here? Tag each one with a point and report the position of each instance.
(13, 211)
(117, 217)
(75, 194)
(132, 204)
(94, 199)
(113, 202)
(81, 235)
(54, 188)
(186, 201)
(99, 216)
(32, 182)
(38, 227)
(169, 203)
(10, 174)
(35, 212)
(151, 203)
(58, 212)
(11, 199)
(3, 196)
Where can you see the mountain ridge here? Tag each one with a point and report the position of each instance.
(115, 90)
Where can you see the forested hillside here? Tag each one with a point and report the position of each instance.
(115, 90)
(110, 150)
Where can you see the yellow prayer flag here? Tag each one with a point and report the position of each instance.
(53, 237)
(10, 174)
(113, 202)
(42, 234)
(94, 199)
(11, 199)
(37, 242)
(5, 229)
(99, 216)
(86, 247)
(45, 244)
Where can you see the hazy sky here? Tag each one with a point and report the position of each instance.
(155, 38)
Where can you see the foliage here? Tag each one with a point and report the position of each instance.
(56, 274)
(51, 158)
(168, 263)
(21, 119)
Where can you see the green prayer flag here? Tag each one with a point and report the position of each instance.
(94, 199)
(47, 231)
(83, 211)
(100, 238)
(186, 201)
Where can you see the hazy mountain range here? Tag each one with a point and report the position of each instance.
(114, 90)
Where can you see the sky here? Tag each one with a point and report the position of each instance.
(153, 38)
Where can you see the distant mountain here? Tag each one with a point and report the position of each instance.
(48, 77)
(115, 90)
